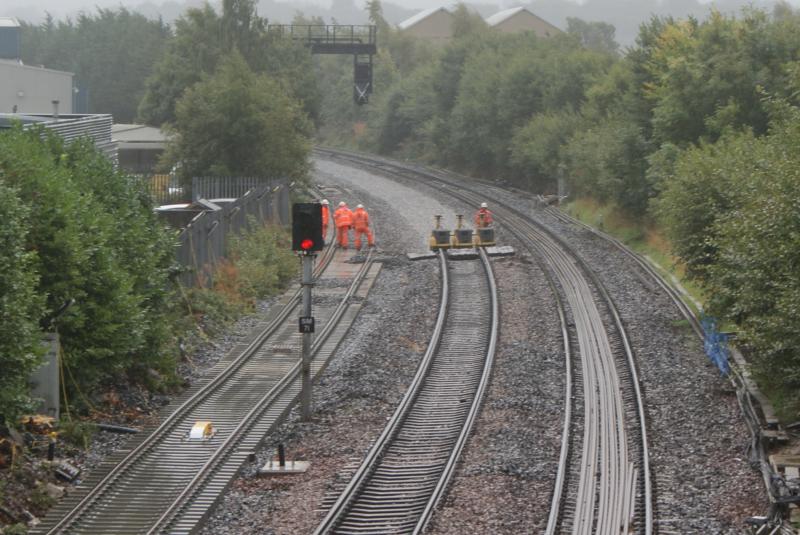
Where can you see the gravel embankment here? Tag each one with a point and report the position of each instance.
(503, 483)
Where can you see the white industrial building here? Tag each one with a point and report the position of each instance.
(25, 88)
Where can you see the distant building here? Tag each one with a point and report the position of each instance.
(27, 89)
(519, 19)
(139, 146)
(10, 38)
(434, 24)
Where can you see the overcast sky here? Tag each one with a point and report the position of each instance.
(625, 15)
(66, 6)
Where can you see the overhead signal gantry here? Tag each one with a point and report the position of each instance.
(360, 41)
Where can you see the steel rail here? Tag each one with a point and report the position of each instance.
(247, 422)
(646, 266)
(175, 416)
(405, 473)
(349, 493)
(449, 469)
(464, 193)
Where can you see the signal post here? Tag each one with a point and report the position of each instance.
(307, 239)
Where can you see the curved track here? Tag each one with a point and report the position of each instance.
(407, 470)
(166, 483)
(603, 484)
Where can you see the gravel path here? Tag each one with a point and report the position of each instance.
(502, 485)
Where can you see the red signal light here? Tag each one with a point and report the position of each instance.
(306, 245)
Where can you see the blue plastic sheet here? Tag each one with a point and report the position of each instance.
(716, 344)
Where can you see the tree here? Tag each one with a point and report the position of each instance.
(193, 51)
(237, 122)
(111, 53)
(597, 36)
(203, 37)
(537, 149)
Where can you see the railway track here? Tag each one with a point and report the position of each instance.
(603, 484)
(405, 473)
(166, 483)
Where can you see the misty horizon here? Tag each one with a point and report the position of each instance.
(625, 15)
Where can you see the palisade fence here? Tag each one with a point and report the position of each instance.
(167, 189)
(204, 240)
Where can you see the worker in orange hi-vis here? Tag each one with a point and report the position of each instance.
(343, 218)
(326, 216)
(361, 224)
(483, 217)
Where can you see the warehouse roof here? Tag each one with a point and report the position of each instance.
(138, 136)
(506, 14)
(419, 17)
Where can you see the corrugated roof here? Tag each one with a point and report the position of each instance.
(419, 17)
(9, 22)
(137, 133)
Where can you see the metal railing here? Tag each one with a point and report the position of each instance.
(168, 189)
(327, 33)
(204, 240)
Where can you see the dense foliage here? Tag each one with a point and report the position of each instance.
(692, 127)
(203, 37)
(89, 236)
(111, 52)
(262, 263)
(20, 305)
(240, 123)
(733, 212)
(239, 98)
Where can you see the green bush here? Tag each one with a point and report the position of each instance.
(731, 209)
(97, 243)
(264, 260)
(259, 264)
(20, 306)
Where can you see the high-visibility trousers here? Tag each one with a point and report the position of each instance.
(342, 235)
(359, 232)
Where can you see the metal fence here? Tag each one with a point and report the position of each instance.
(205, 239)
(167, 189)
(228, 187)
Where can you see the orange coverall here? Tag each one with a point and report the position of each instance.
(326, 216)
(343, 218)
(361, 224)
(484, 221)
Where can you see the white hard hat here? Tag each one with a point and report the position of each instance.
(360, 206)
(484, 205)
(325, 202)
(342, 203)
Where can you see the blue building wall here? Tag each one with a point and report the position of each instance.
(9, 42)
